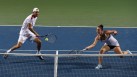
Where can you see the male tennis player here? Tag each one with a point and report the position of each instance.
(110, 43)
(27, 32)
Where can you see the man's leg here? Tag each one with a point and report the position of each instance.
(38, 42)
(18, 45)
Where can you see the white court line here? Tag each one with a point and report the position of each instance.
(66, 55)
(56, 50)
(70, 26)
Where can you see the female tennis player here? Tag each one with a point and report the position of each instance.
(110, 43)
(27, 32)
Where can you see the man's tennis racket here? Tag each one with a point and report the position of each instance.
(76, 52)
(51, 38)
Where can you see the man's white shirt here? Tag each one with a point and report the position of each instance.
(25, 33)
(24, 29)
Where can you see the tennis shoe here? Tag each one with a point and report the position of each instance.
(129, 52)
(40, 57)
(99, 66)
(5, 55)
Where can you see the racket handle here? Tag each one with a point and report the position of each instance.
(42, 36)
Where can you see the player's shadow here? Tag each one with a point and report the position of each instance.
(77, 65)
(30, 60)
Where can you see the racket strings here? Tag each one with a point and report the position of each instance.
(75, 52)
(51, 38)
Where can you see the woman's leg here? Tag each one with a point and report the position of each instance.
(104, 49)
(119, 51)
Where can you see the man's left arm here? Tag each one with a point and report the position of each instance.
(32, 30)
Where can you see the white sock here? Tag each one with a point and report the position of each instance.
(8, 51)
(38, 52)
(99, 65)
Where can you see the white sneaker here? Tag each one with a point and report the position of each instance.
(129, 52)
(40, 57)
(5, 55)
(99, 66)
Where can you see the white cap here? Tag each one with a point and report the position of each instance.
(35, 9)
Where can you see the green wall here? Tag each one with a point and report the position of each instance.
(71, 12)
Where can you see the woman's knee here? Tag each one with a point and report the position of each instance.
(102, 51)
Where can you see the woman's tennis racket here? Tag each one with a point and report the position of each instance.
(76, 52)
(51, 38)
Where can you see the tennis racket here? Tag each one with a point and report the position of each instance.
(51, 38)
(76, 52)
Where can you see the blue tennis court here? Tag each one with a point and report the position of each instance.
(69, 38)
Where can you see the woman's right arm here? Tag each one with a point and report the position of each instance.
(93, 44)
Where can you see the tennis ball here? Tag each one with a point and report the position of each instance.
(46, 39)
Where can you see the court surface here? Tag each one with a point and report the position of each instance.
(69, 38)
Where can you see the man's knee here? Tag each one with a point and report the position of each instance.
(39, 42)
(18, 46)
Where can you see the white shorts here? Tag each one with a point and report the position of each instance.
(23, 37)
